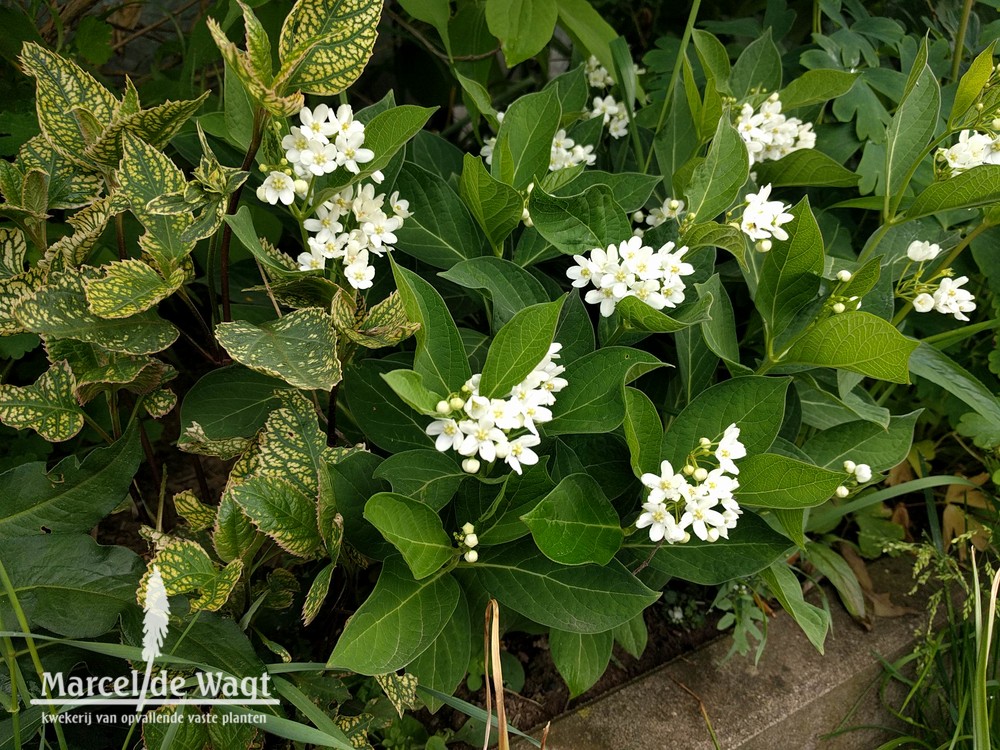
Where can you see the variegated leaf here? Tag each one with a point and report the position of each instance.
(62, 87)
(59, 310)
(233, 535)
(69, 186)
(130, 99)
(160, 403)
(129, 287)
(356, 728)
(317, 594)
(186, 567)
(280, 588)
(400, 689)
(194, 440)
(11, 182)
(325, 44)
(258, 45)
(385, 325)
(300, 348)
(48, 407)
(281, 510)
(13, 252)
(88, 224)
(12, 290)
(197, 515)
(97, 369)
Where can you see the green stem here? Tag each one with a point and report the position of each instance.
(963, 25)
(97, 428)
(817, 27)
(892, 205)
(11, 658)
(879, 236)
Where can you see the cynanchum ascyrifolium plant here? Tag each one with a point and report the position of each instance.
(554, 391)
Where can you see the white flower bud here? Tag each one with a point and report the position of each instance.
(301, 187)
(456, 403)
(996, 123)
(850, 466)
(863, 473)
(687, 538)
(688, 469)
(763, 246)
(471, 556)
(701, 474)
(502, 450)
(470, 465)
(468, 528)
(838, 308)
(442, 407)
(704, 442)
(471, 540)
(844, 275)
(713, 535)
(638, 217)
(980, 106)
(923, 303)
(674, 204)
(842, 491)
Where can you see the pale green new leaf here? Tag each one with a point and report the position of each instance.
(48, 406)
(971, 85)
(414, 529)
(409, 386)
(523, 27)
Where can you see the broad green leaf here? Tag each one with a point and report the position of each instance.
(806, 167)
(383, 418)
(580, 599)
(716, 182)
(584, 23)
(194, 440)
(441, 231)
(816, 87)
(409, 386)
(677, 141)
(632, 636)
(496, 205)
(751, 547)
(643, 432)
(386, 134)
(754, 404)
(814, 621)
(281, 510)
(913, 123)
(714, 59)
(48, 406)
(233, 534)
(511, 288)
(758, 68)
(937, 367)
(580, 658)
(300, 348)
(523, 27)
(56, 577)
(594, 400)
(631, 190)
(325, 44)
(979, 186)
(576, 523)
(636, 315)
(575, 331)
(435, 12)
(129, 287)
(524, 143)
(186, 567)
(821, 408)
(768, 480)
(231, 402)
(277, 263)
(789, 276)
(520, 493)
(858, 342)
(428, 476)
(477, 98)
(839, 573)
(397, 623)
(971, 84)
(440, 357)
(412, 528)
(577, 224)
(720, 331)
(518, 348)
(60, 310)
(863, 442)
(713, 234)
(443, 665)
(73, 497)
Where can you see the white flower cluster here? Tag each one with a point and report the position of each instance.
(858, 474)
(769, 135)
(352, 227)
(614, 114)
(948, 298)
(484, 426)
(762, 218)
(972, 150)
(467, 540)
(707, 507)
(632, 270)
(564, 153)
(597, 75)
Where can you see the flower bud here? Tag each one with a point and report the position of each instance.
(850, 466)
(674, 204)
(471, 540)
(842, 491)
(764, 246)
(264, 168)
(470, 465)
(704, 442)
(456, 403)
(442, 407)
(301, 187)
(980, 106)
(377, 177)
(468, 528)
(863, 473)
(471, 556)
(996, 123)
(687, 537)
(838, 308)
(700, 474)
(503, 450)
(688, 469)
(638, 217)
(844, 275)
(713, 535)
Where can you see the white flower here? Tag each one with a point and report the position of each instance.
(277, 187)
(487, 150)
(605, 297)
(923, 303)
(350, 152)
(294, 144)
(972, 150)
(762, 218)
(320, 158)
(729, 449)
(380, 231)
(597, 75)
(718, 486)
(920, 251)
(768, 134)
(344, 122)
(582, 273)
(700, 516)
(605, 107)
(662, 524)
(317, 123)
(446, 434)
(481, 437)
(668, 486)
(951, 299)
(325, 223)
(312, 261)
(518, 452)
(619, 125)
(360, 275)
(400, 207)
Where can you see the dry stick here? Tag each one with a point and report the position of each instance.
(434, 50)
(545, 734)
(492, 651)
(701, 707)
(153, 26)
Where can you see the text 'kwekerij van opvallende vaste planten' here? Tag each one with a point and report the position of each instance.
(299, 379)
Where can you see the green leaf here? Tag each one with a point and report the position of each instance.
(839, 573)
(523, 27)
(435, 12)
(816, 87)
(713, 234)
(755, 404)
(913, 123)
(496, 206)
(511, 288)
(580, 658)
(768, 480)
(631, 190)
(186, 567)
(441, 231)
(579, 599)
(427, 476)
(636, 315)
(385, 420)
(13, 252)
(300, 348)
(440, 357)
(397, 623)
(714, 59)
(863, 442)
(73, 497)
(442, 666)
(281, 510)
(174, 726)
(576, 523)
(276, 262)
(937, 367)
(979, 186)
(70, 186)
(643, 432)
(583, 22)
(971, 85)
(409, 386)
(594, 400)
(716, 182)
(805, 167)
(518, 348)
(48, 406)
(757, 68)
(230, 402)
(58, 576)
(317, 594)
(814, 621)
(412, 528)
(577, 224)
(858, 342)
(129, 287)
(384, 325)
(233, 534)
(524, 143)
(258, 45)
(325, 44)
(632, 636)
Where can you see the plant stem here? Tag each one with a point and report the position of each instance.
(963, 25)
(259, 118)
(331, 416)
(10, 656)
(186, 298)
(97, 428)
(120, 236)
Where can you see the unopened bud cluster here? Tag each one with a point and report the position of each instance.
(858, 474)
(467, 542)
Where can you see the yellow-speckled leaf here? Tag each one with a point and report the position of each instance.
(279, 509)
(186, 567)
(300, 348)
(385, 325)
(63, 86)
(401, 690)
(48, 407)
(160, 403)
(97, 369)
(198, 515)
(60, 310)
(356, 729)
(343, 309)
(129, 287)
(233, 535)
(12, 290)
(194, 440)
(280, 588)
(69, 185)
(325, 44)
(13, 251)
(317, 594)
(258, 45)
(88, 224)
